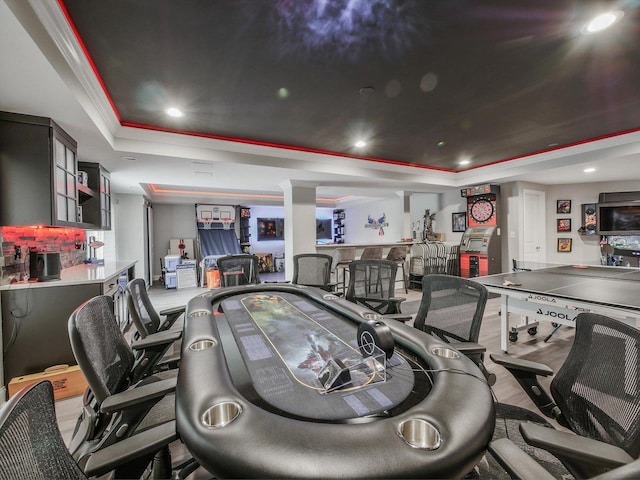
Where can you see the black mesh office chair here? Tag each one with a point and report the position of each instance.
(117, 404)
(145, 318)
(452, 309)
(372, 284)
(519, 465)
(596, 394)
(313, 270)
(148, 322)
(31, 446)
(241, 269)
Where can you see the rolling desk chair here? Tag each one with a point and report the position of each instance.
(596, 394)
(313, 270)
(144, 316)
(123, 398)
(148, 321)
(452, 309)
(240, 269)
(32, 446)
(372, 284)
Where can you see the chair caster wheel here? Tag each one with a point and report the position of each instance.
(532, 330)
(513, 337)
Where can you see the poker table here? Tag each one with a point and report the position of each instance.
(281, 380)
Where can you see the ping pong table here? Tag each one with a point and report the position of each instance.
(558, 294)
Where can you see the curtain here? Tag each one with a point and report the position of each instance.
(218, 242)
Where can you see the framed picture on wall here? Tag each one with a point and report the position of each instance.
(563, 225)
(459, 221)
(564, 206)
(564, 245)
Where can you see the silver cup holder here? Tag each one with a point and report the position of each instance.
(445, 352)
(221, 414)
(199, 313)
(419, 433)
(372, 316)
(201, 345)
(330, 296)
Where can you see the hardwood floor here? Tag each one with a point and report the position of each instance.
(506, 389)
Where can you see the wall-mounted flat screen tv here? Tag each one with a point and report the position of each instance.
(323, 229)
(618, 218)
(270, 229)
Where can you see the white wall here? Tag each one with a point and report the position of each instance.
(129, 230)
(357, 213)
(172, 221)
(585, 248)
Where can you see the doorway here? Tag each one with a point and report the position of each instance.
(533, 247)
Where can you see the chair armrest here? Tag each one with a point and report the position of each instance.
(173, 311)
(161, 338)
(513, 363)
(141, 444)
(468, 348)
(574, 447)
(526, 373)
(400, 317)
(516, 462)
(138, 395)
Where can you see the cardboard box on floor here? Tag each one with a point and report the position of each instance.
(67, 381)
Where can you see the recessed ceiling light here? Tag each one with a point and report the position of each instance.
(464, 162)
(173, 112)
(360, 144)
(603, 21)
(589, 170)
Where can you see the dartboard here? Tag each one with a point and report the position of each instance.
(481, 210)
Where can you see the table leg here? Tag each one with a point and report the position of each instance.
(504, 323)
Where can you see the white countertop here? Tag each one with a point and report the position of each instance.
(80, 274)
(361, 245)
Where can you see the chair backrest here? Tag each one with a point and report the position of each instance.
(344, 255)
(100, 348)
(31, 445)
(372, 284)
(373, 253)
(598, 386)
(397, 254)
(451, 308)
(144, 316)
(241, 269)
(312, 269)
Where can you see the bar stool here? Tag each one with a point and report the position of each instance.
(371, 253)
(399, 256)
(342, 257)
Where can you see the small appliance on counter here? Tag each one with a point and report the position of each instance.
(44, 266)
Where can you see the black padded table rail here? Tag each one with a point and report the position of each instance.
(437, 425)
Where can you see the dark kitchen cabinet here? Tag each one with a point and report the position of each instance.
(95, 196)
(38, 172)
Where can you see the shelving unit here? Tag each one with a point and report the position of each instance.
(338, 226)
(95, 197)
(245, 235)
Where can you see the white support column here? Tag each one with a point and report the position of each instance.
(299, 221)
